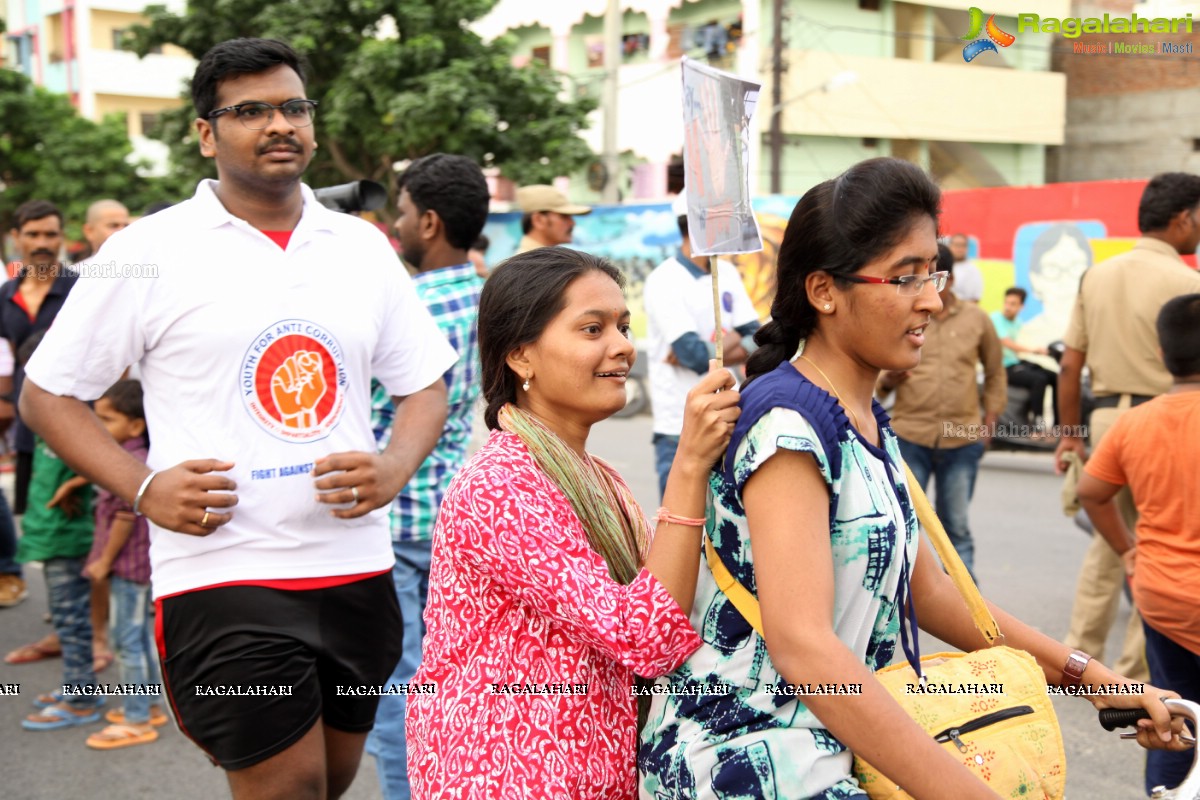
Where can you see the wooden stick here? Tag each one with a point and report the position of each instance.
(720, 333)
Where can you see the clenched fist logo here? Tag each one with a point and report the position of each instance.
(297, 387)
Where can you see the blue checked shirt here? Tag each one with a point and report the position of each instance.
(452, 296)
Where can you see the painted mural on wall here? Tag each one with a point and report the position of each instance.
(1039, 238)
(637, 238)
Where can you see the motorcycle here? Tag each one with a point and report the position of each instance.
(1018, 430)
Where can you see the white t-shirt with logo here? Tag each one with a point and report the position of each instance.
(256, 355)
(679, 300)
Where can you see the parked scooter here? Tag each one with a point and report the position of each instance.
(1016, 429)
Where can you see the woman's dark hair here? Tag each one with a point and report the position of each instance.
(519, 299)
(238, 57)
(1179, 335)
(839, 226)
(126, 398)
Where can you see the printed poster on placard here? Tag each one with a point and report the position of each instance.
(716, 160)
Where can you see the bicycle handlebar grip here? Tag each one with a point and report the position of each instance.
(1113, 718)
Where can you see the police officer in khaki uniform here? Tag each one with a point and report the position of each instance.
(1112, 332)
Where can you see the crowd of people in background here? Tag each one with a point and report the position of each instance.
(309, 526)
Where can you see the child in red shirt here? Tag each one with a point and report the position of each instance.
(122, 550)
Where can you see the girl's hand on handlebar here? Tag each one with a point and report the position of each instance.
(1161, 731)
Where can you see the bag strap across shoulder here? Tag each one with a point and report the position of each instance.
(747, 604)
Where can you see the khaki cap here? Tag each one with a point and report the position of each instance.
(531, 199)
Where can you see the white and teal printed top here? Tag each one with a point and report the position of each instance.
(757, 740)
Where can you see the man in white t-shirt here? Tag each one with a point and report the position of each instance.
(257, 339)
(679, 307)
(968, 279)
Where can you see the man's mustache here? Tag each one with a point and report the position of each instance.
(286, 141)
(46, 253)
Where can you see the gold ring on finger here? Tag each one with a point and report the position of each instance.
(204, 520)
(354, 491)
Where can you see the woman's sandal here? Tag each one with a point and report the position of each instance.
(115, 737)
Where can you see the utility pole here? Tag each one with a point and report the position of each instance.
(612, 63)
(776, 97)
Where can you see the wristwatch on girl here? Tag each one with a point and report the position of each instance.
(1072, 673)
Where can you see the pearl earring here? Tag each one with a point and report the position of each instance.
(827, 306)
(525, 385)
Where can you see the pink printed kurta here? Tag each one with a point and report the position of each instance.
(518, 600)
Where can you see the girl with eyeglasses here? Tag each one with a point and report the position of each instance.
(811, 515)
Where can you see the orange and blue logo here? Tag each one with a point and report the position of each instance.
(293, 381)
(994, 36)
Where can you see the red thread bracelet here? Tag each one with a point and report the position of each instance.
(664, 515)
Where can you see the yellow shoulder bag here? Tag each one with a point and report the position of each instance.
(989, 707)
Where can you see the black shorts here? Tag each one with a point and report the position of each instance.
(248, 670)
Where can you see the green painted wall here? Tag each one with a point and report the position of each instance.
(1020, 164)
(836, 26)
(808, 160)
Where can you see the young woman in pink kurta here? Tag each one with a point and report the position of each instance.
(531, 644)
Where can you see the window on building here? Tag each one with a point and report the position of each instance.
(118, 38)
(716, 40)
(541, 55)
(633, 44)
(869, 5)
(594, 47)
(149, 120)
(1196, 145)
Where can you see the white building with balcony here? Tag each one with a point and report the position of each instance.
(861, 78)
(74, 47)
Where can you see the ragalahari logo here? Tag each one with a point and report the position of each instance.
(995, 36)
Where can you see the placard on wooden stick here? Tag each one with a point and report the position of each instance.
(717, 107)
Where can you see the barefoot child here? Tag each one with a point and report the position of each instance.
(122, 551)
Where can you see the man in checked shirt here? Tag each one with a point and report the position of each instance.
(441, 211)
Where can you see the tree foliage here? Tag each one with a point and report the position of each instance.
(396, 80)
(49, 152)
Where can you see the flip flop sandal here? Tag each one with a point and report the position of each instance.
(158, 717)
(29, 653)
(48, 699)
(115, 737)
(54, 698)
(56, 718)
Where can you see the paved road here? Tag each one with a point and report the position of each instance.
(1027, 557)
